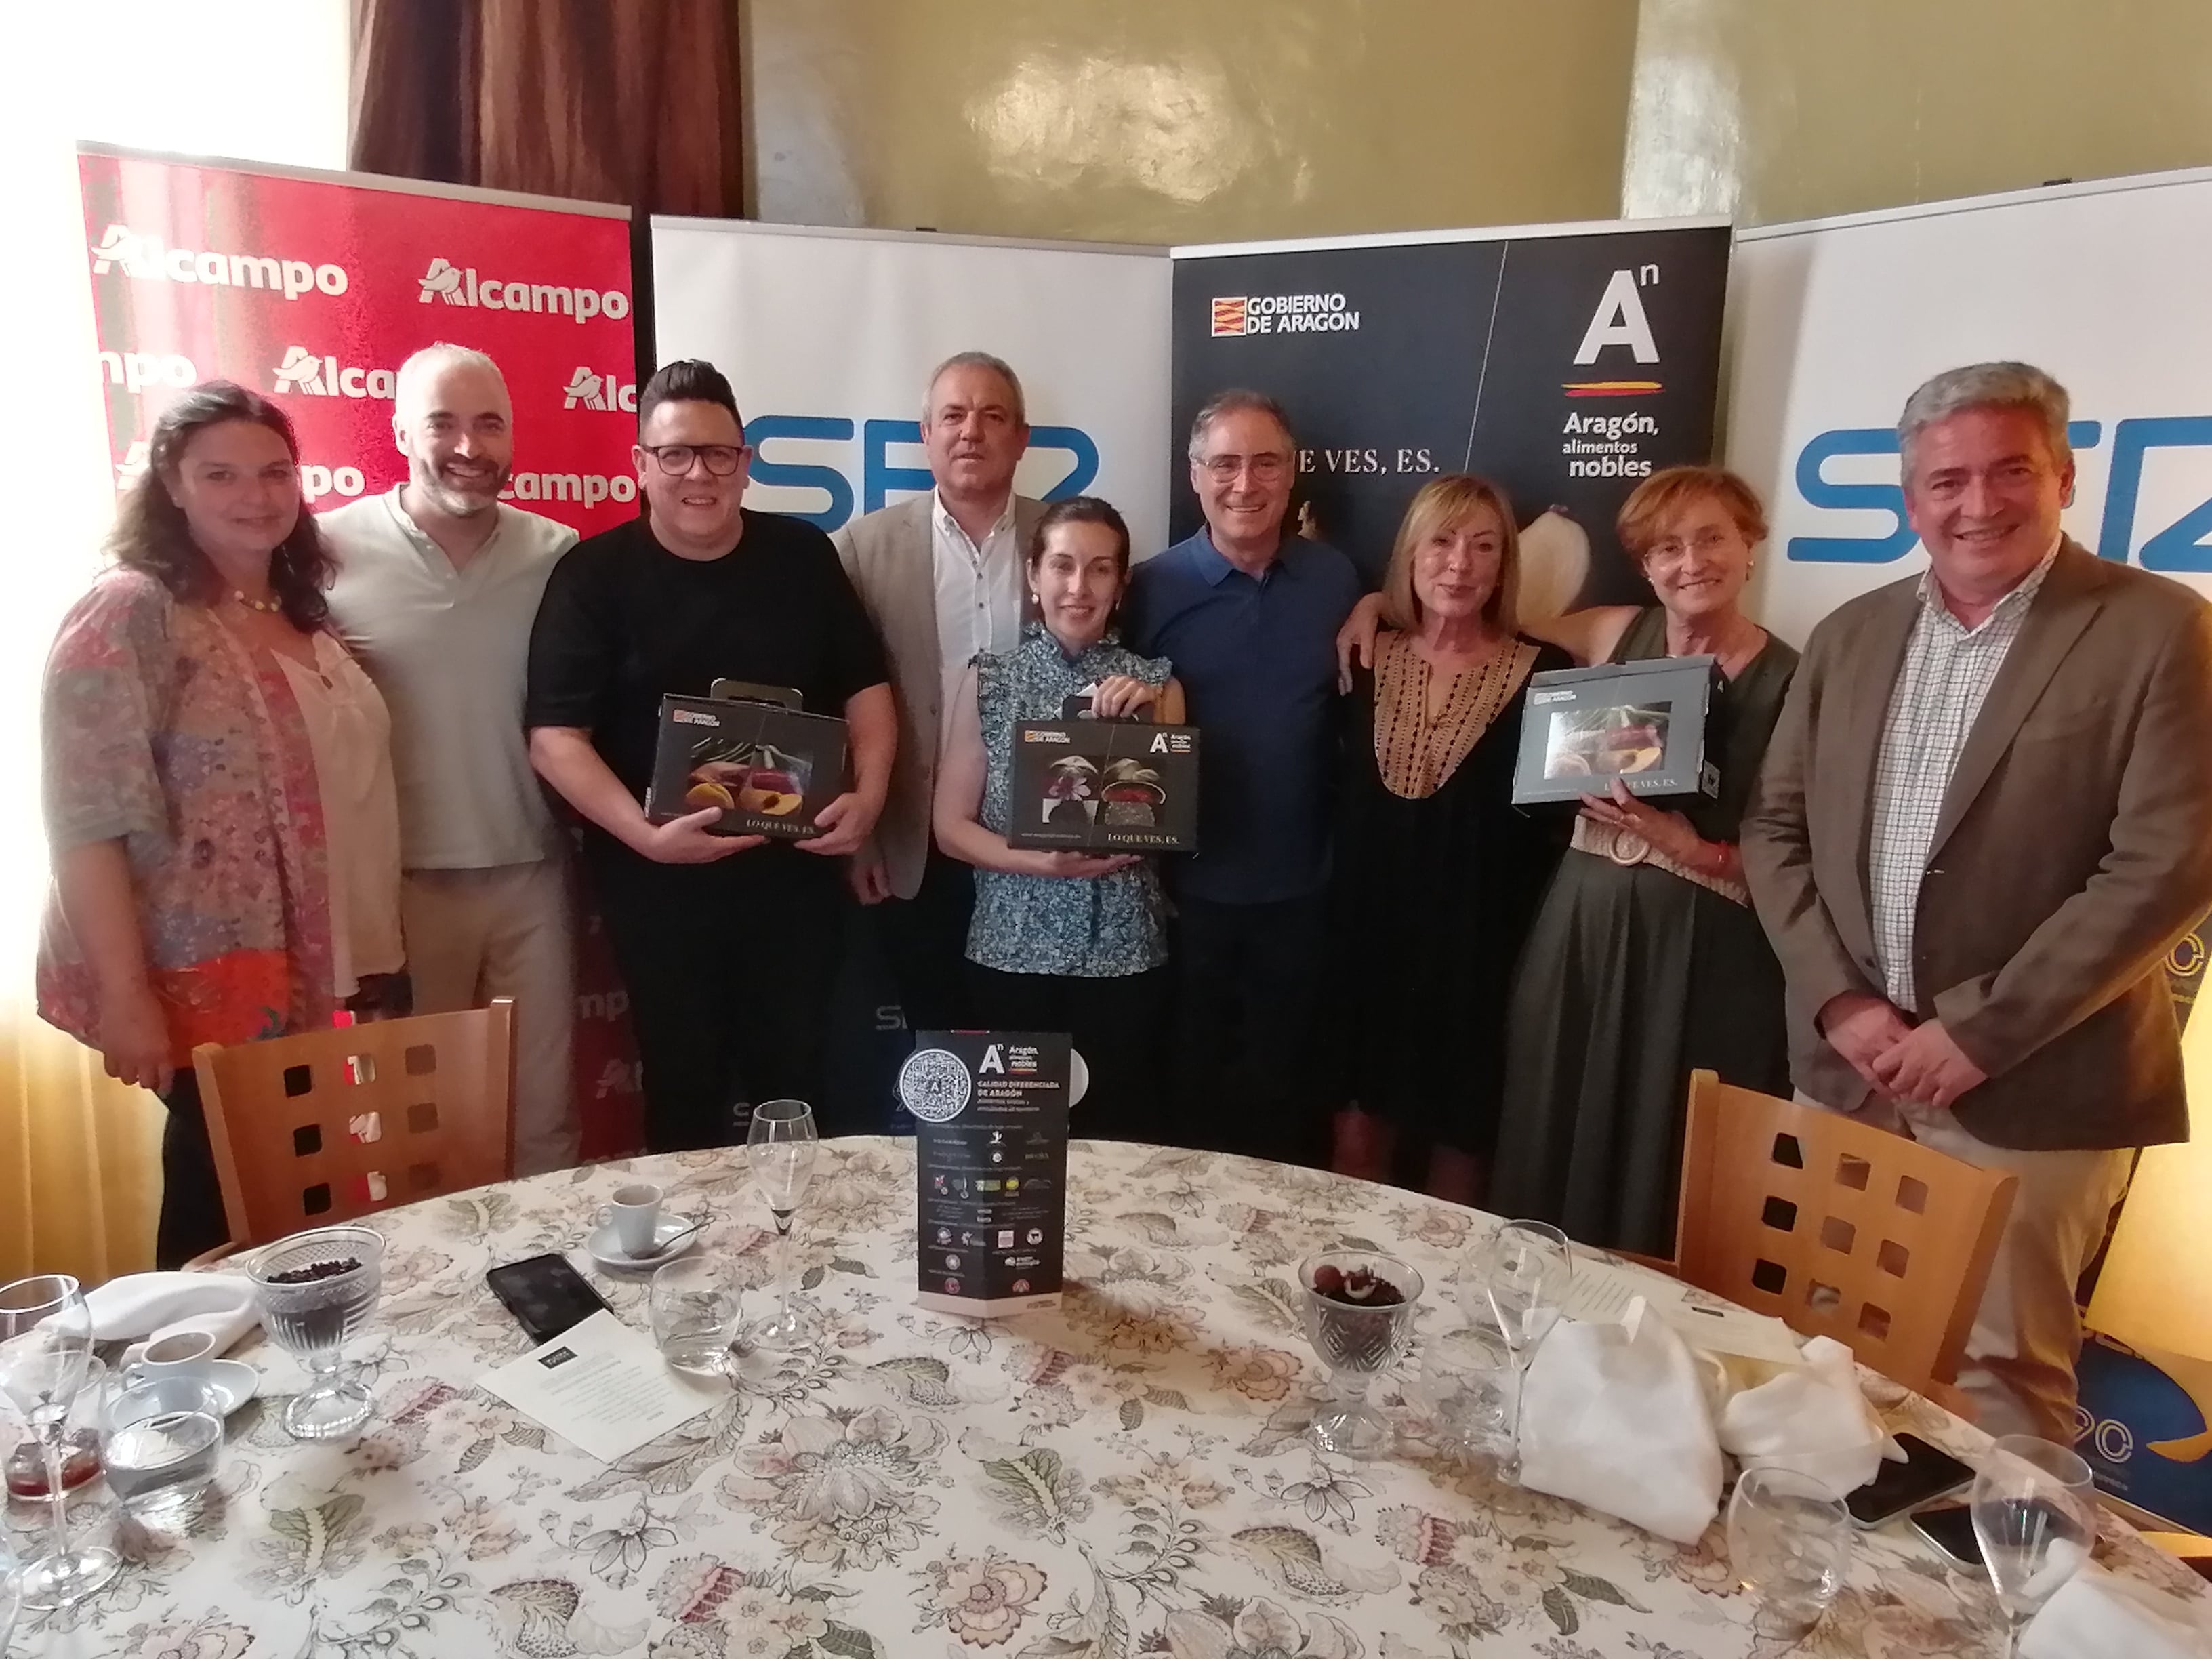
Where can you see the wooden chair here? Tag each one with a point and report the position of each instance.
(1838, 1229)
(329, 1126)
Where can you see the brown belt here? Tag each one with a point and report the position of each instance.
(1625, 846)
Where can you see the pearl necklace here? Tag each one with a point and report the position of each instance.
(266, 607)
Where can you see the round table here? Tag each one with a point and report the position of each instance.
(1120, 1477)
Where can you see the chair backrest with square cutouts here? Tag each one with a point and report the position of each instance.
(327, 1126)
(1837, 1228)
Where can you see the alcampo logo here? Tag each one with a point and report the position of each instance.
(585, 489)
(307, 375)
(1236, 314)
(588, 388)
(134, 371)
(144, 259)
(460, 285)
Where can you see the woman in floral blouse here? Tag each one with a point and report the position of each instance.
(219, 798)
(1063, 941)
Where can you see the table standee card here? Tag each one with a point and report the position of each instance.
(990, 1111)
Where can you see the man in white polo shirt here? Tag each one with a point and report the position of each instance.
(438, 585)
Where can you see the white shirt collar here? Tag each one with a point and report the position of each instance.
(943, 514)
(2019, 598)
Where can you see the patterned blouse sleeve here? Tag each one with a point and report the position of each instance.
(105, 697)
(1153, 671)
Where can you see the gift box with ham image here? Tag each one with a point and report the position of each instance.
(1643, 724)
(767, 769)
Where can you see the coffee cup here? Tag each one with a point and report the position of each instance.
(181, 1354)
(634, 1215)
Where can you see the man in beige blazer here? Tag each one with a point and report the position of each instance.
(941, 576)
(1985, 818)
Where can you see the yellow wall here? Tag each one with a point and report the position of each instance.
(1186, 121)
(1793, 109)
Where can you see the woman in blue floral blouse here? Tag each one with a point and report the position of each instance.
(1063, 941)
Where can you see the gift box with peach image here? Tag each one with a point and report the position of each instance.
(768, 770)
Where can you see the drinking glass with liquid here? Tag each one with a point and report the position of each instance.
(160, 1443)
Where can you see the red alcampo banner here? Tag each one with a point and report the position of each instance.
(312, 289)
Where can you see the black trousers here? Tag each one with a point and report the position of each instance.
(1117, 1023)
(1250, 980)
(924, 940)
(192, 1221)
(730, 968)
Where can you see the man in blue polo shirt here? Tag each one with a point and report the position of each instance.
(1249, 616)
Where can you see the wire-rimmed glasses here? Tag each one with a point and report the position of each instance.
(46, 1352)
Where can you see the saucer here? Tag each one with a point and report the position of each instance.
(234, 1382)
(610, 1254)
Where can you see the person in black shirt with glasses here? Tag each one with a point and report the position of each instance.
(728, 944)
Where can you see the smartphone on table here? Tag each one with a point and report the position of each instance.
(545, 1295)
(1926, 1474)
(1950, 1529)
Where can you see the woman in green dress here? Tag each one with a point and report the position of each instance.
(1646, 962)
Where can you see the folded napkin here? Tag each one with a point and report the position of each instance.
(1813, 1420)
(1614, 1417)
(2097, 1614)
(154, 1305)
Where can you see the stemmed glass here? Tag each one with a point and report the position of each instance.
(1524, 1269)
(1789, 1539)
(1356, 1339)
(2033, 1507)
(318, 1290)
(780, 1151)
(46, 1349)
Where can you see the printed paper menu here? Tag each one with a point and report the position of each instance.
(990, 1111)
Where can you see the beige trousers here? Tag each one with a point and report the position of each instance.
(475, 934)
(2019, 1366)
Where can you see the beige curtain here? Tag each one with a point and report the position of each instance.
(80, 1157)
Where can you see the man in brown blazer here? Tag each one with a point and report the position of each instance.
(941, 576)
(1985, 818)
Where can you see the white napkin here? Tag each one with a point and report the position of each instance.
(154, 1305)
(1614, 1417)
(1813, 1421)
(2097, 1614)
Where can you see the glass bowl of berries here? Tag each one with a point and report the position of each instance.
(317, 1291)
(1359, 1317)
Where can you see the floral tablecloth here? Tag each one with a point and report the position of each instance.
(1122, 1477)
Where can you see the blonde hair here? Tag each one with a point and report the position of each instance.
(1440, 504)
(1674, 489)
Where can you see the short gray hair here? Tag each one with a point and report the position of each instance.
(998, 365)
(1987, 385)
(432, 358)
(1236, 401)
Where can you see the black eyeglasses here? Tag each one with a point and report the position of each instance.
(676, 459)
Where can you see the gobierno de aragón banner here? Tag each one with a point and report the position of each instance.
(1563, 363)
(313, 288)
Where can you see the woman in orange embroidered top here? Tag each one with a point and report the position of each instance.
(218, 788)
(1436, 872)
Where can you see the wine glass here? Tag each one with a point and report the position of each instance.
(1789, 1539)
(1524, 1269)
(46, 1349)
(780, 1151)
(318, 1290)
(2033, 1513)
(1359, 1315)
